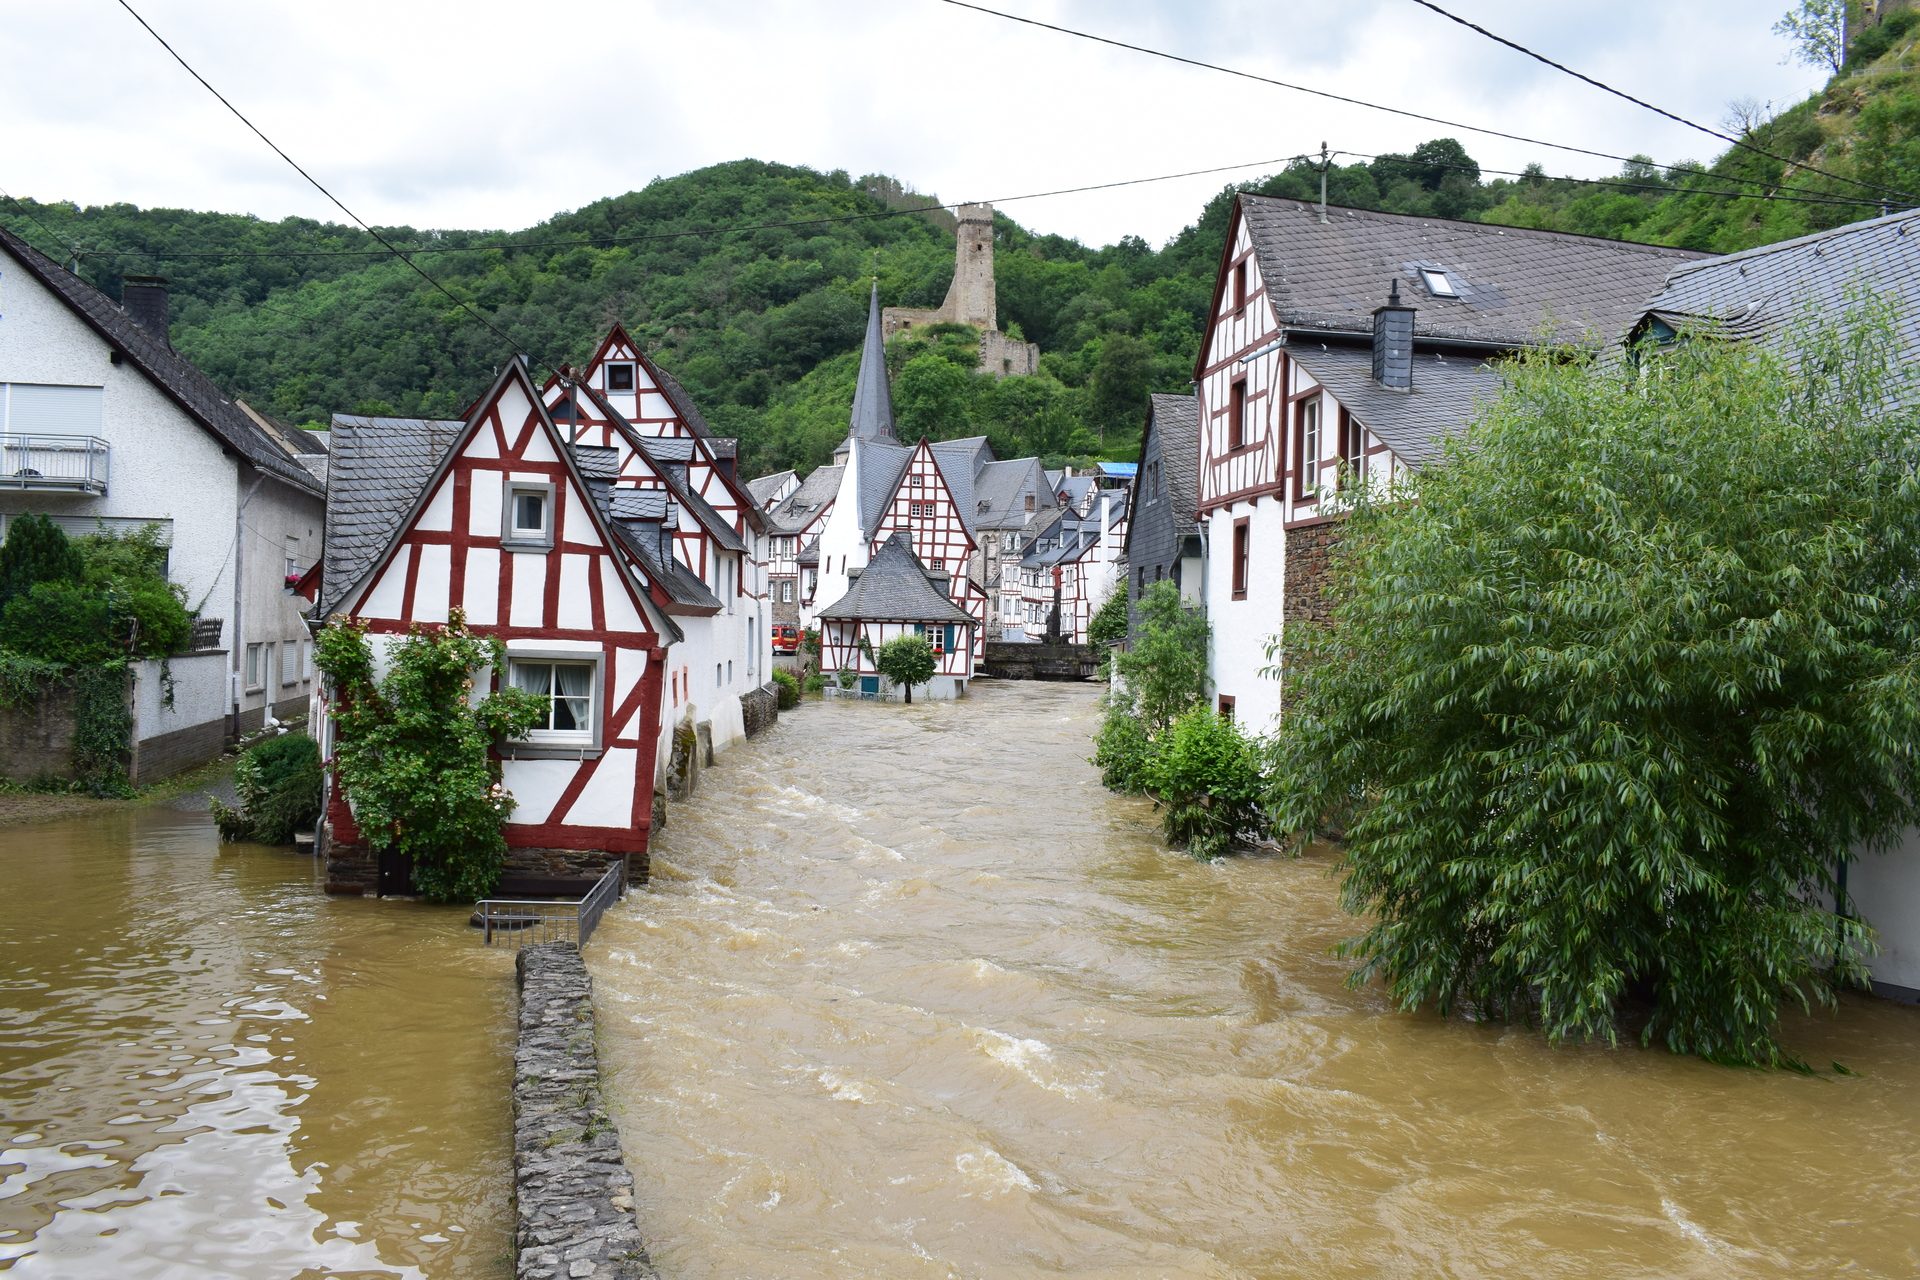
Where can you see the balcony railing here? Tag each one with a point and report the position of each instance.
(518, 923)
(77, 464)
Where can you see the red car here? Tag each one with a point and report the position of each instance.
(786, 638)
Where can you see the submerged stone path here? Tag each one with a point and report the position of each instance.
(573, 1197)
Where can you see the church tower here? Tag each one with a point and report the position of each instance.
(872, 417)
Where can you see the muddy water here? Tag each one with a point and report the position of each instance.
(913, 997)
(210, 1069)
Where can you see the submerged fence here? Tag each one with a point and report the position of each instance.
(516, 923)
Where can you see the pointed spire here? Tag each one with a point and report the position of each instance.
(872, 399)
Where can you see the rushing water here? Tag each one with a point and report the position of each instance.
(210, 1069)
(913, 997)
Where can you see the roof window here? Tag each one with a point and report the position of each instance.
(1437, 283)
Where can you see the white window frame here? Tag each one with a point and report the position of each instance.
(561, 744)
(1444, 288)
(1309, 460)
(633, 378)
(514, 538)
(289, 663)
(256, 664)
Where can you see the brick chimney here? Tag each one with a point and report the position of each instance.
(145, 299)
(1393, 343)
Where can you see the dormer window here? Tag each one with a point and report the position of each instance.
(1438, 284)
(528, 520)
(620, 377)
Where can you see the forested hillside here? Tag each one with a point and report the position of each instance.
(762, 322)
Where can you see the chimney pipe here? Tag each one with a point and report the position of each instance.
(1393, 343)
(145, 299)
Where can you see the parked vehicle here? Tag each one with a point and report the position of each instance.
(786, 638)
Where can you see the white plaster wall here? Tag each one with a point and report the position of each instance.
(1885, 888)
(278, 520)
(1242, 628)
(199, 682)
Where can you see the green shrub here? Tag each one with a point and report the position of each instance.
(815, 682)
(907, 661)
(36, 551)
(846, 677)
(788, 690)
(1122, 751)
(1164, 669)
(1207, 774)
(279, 784)
(1109, 624)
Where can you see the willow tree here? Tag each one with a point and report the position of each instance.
(1604, 709)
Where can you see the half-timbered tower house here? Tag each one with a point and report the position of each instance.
(621, 401)
(1341, 348)
(893, 595)
(502, 517)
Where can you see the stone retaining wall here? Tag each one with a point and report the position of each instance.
(573, 1197)
(760, 708)
(1014, 660)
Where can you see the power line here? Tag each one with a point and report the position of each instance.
(461, 302)
(1318, 93)
(677, 235)
(1660, 111)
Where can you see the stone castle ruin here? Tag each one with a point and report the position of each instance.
(970, 300)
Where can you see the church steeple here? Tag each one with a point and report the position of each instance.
(872, 417)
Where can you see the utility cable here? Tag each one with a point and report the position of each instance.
(1318, 93)
(461, 302)
(1659, 111)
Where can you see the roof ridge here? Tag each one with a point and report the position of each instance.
(1780, 246)
(1494, 228)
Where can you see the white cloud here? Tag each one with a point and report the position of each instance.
(487, 114)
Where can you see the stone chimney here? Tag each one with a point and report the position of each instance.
(145, 299)
(1393, 343)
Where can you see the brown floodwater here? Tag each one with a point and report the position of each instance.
(912, 996)
(210, 1069)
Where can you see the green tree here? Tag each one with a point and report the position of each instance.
(36, 550)
(1207, 775)
(1604, 709)
(411, 750)
(1164, 668)
(1109, 623)
(1818, 31)
(907, 661)
(1122, 377)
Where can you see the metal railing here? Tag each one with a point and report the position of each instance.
(831, 690)
(518, 922)
(54, 462)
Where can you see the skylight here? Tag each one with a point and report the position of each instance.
(1438, 284)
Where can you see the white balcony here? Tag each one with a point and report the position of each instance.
(71, 464)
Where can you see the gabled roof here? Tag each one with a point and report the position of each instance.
(173, 373)
(765, 488)
(882, 463)
(1757, 293)
(1002, 485)
(1176, 420)
(659, 450)
(1513, 282)
(379, 467)
(794, 511)
(959, 462)
(1446, 392)
(894, 587)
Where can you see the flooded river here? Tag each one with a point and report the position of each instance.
(209, 1069)
(913, 997)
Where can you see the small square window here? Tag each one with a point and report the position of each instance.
(567, 688)
(1438, 284)
(527, 523)
(918, 481)
(619, 377)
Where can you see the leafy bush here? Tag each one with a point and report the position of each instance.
(1109, 623)
(1122, 750)
(846, 677)
(1207, 774)
(788, 690)
(815, 682)
(1604, 709)
(36, 551)
(1164, 670)
(102, 598)
(907, 661)
(411, 751)
(279, 783)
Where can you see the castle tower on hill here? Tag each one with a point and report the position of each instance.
(970, 300)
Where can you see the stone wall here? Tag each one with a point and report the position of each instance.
(760, 708)
(1014, 660)
(37, 740)
(166, 754)
(1309, 548)
(572, 1195)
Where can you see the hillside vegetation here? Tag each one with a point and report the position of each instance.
(763, 322)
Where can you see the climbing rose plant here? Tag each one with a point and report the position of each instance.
(1603, 709)
(411, 750)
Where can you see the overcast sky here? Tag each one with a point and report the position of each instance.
(489, 115)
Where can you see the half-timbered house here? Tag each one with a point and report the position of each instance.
(897, 594)
(504, 518)
(716, 531)
(1341, 348)
(1072, 566)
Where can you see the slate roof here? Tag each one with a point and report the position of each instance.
(1758, 293)
(882, 463)
(763, 489)
(1176, 419)
(379, 467)
(872, 415)
(1447, 390)
(674, 450)
(800, 506)
(895, 587)
(682, 402)
(1513, 282)
(1001, 486)
(597, 462)
(173, 373)
(959, 462)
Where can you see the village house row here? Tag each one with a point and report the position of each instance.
(596, 524)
